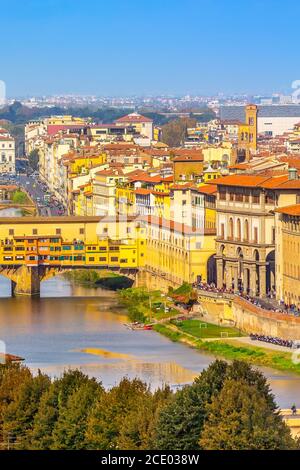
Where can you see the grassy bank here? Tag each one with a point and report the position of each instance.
(201, 329)
(108, 280)
(232, 349)
(145, 306)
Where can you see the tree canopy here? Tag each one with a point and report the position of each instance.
(228, 407)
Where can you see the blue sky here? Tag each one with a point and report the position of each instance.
(126, 47)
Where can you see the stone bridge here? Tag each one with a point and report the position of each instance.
(26, 280)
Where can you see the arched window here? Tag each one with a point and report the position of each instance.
(246, 231)
(231, 227)
(239, 229)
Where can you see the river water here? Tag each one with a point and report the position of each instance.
(78, 326)
(71, 325)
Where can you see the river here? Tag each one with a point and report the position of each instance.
(79, 326)
(71, 325)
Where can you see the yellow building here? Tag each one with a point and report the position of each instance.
(71, 241)
(247, 135)
(125, 199)
(178, 253)
(288, 254)
(188, 165)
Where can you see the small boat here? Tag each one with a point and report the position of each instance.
(136, 326)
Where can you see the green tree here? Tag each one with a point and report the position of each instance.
(240, 418)
(137, 431)
(181, 421)
(33, 159)
(19, 197)
(12, 376)
(240, 370)
(107, 417)
(18, 416)
(69, 430)
(53, 401)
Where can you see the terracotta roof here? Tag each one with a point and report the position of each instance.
(290, 210)
(188, 156)
(168, 179)
(160, 193)
(240, 180)
(259, 181)
(142, 191)
(208, 189)
(110, 172)
(240, 166)
(179, 187)
(134, 117)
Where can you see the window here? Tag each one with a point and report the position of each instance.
(34, 231)
(102, 258)
(11, 231)
(58, 231)
(81, 231)
(114, 259)
(222, 195)
(222, 230)
(273, 235)
(230, 228)
(91, 258)
(255, 235)
(124, 260)
(255, 197)
(246, 231)
(239, 229)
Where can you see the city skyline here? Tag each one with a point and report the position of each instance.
(173, 48)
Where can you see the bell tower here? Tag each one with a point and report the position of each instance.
(251, 121)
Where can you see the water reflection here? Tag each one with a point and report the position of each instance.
(78, 326)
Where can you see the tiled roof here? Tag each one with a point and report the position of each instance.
(207, 189)
(133, 117)
(142, 191)
(290, 210)
(241, 180)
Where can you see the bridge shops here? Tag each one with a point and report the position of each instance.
(35, 248)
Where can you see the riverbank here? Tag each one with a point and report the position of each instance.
(232, 349)
(95, 278)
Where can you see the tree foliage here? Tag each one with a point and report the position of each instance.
(241, 418)
(33, 159)
(229, 406)
(174, 132)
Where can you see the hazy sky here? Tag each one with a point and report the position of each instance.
(126, 47)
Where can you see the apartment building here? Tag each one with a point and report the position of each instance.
(7, 152)
(246, 235)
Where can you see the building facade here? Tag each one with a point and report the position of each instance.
(246, 235)
(7, 152)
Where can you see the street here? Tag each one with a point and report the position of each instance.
(36, 190)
